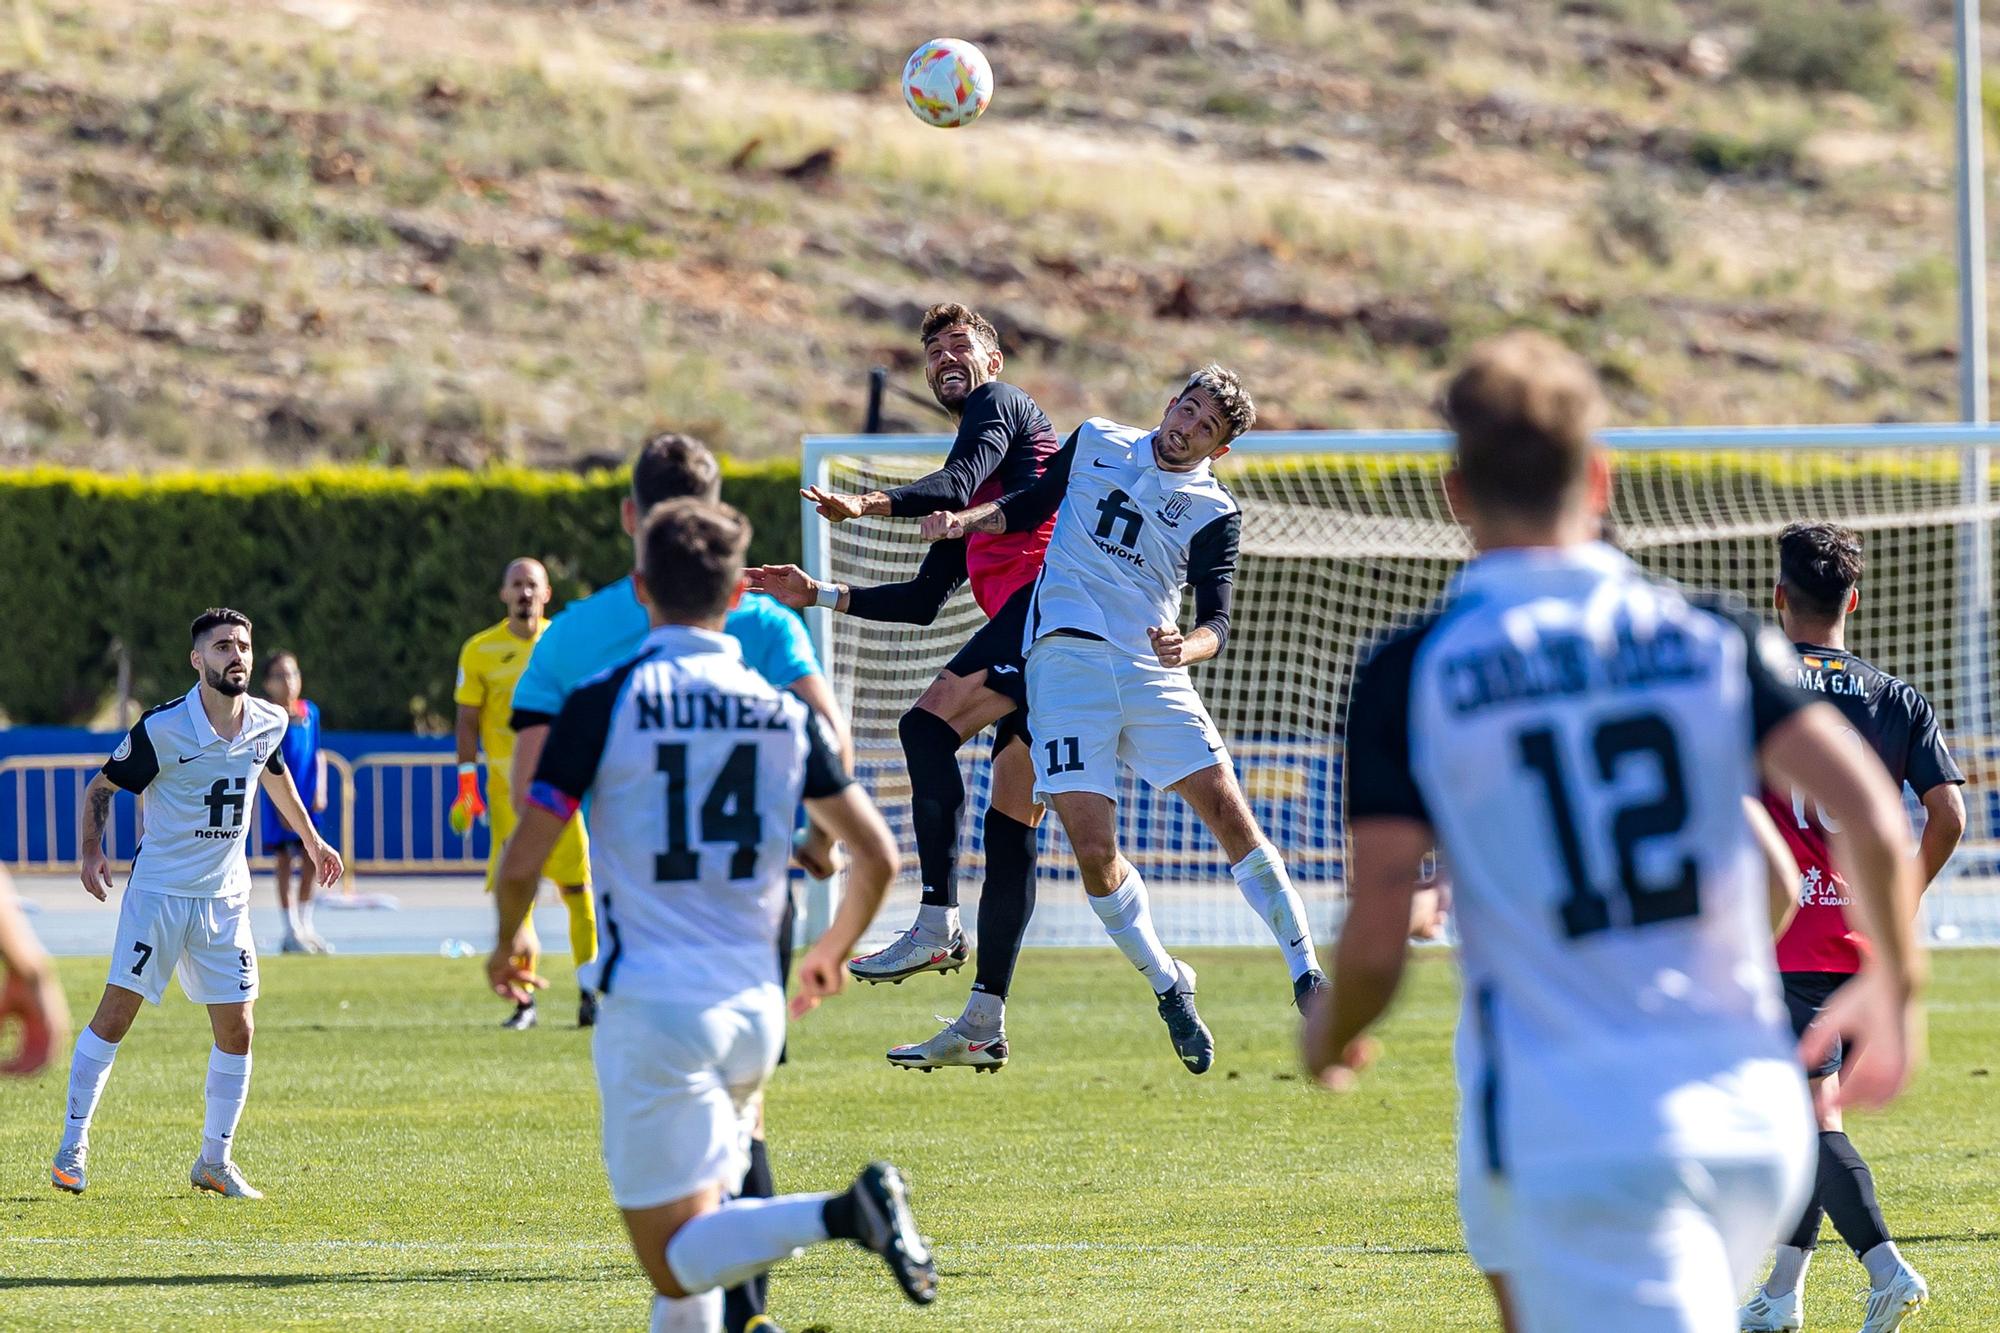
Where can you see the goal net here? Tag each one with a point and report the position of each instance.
(1347, 536)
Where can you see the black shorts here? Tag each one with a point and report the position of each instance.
(1806, 993)
(996, 650)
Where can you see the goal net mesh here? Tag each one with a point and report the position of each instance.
(1339, 547)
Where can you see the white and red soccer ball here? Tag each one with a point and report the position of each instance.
(947, 82)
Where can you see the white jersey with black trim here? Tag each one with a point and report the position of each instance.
(1118, 559)
(196, 791)
(689, 766)
(1580, 738)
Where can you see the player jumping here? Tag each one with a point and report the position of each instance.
(490, 665)
(1003, 443)
(1577, 740)
(199, 760)
(693, 1012)
(1141, 516)
(1819, 567)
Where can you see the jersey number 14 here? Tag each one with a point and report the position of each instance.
(728, 814)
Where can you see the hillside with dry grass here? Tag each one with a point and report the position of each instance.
(443, 234)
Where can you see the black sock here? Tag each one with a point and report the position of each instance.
(937, 802)
(742, 1304)
(1006, 902)
(838, 1214)
(1847, 1188)
(1805, 1236)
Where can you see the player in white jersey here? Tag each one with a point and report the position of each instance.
(199, 761)
(1140, 516)
(1577, 741)
(689, 766)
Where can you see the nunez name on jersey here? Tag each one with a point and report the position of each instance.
(196, 791)
(1129, 536)
(689, 766)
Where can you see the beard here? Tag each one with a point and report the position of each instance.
(220, 682)
(954, 397)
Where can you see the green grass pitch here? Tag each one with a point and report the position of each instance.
(426, 1169)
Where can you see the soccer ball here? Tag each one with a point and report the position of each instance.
(947, 82)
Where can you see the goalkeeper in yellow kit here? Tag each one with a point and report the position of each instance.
(489, 665)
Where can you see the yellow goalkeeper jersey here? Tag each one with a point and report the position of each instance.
(489, 665)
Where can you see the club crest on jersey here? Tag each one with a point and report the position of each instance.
(263, 748)
(124, 750)
(1176, 509)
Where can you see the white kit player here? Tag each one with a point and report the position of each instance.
(1140, 516)
(689, 766)
(1577, 740)
(199, 762)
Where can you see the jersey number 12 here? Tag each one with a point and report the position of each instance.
(1586, 909)
(728, 814)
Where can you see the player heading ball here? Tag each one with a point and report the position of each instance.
(1140, 516)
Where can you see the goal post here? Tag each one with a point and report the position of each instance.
(1345, 536)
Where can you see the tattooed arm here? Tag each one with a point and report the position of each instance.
(90, 835)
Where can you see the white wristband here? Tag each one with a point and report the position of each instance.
(463, 769)
(828, 596)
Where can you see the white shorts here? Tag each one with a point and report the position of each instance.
(1662, 1245)
(680, 1082)
(1091, 705)
(206, 940)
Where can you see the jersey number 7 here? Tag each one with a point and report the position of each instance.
(728, 814)
(1587, 908)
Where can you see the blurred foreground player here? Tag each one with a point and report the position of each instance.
(1577, 740)
(693, 1013)
(31, 997)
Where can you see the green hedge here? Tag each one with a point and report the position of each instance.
(373, 578)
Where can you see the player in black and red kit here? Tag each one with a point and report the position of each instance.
(1003, 444)
(1819, 567)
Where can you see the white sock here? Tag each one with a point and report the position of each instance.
(1883, 1263)
(937, 925)
(305, 906)
(228, 1088)
(744, 1237)
(1268, 889)
(293, 925)
(89, 1070)
(1788, 1270)
(985, 1013)
(1130, 925)
(689, 1314)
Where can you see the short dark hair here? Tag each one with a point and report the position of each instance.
(1226, 391)
(950, 314)
(1819, 564)
(215, 618)
(671, 467)
(278, 659)
(1525, 410)
(691, 556)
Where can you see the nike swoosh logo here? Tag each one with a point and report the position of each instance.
(245, 985)
(63, 1176)
(977, 1046)
(1005, 670)
(1098, 462)
(1296, 943)
(189, 758)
